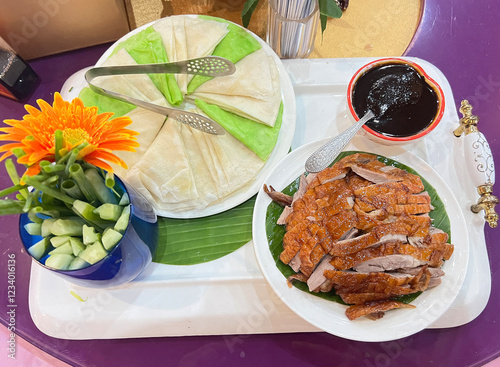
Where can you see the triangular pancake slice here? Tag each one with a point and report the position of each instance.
(148, 124)
(163, 173)
(253, 91)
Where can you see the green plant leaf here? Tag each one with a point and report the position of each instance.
(276, 232)
(248, 9)
(328, 9)
(199, 240)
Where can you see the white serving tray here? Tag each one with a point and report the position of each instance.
(230, 296)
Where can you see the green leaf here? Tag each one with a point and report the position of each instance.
(276, 232)
(248, 9)
(199, 240)
(328, 9)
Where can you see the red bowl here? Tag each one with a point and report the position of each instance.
(390, 139)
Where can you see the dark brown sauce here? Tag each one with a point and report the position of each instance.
(406, 119)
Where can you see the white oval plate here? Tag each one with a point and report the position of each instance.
(330, 316)
(76, 83)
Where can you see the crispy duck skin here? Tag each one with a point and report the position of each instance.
(383, 197)
(330, 174)
(380, 282)
(374, 307)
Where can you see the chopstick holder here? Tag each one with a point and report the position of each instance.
(206, 66)
(479, 160)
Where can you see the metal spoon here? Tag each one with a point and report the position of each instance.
(387, 94)
(324, 155)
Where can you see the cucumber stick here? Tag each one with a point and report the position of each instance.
(110, 238)
(93, 253)
(57, 241)
(90, 235)
(59, 261)
(77, 245)
(109, 211)
(63, 249)
(87, 212)
(69, 227)
(122, 222)
(34, 229)
(39, 248)
(78, 263)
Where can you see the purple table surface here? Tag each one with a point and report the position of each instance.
(461, 38)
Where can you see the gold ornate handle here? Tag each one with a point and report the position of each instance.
(480, 163)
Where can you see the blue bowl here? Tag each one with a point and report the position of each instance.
(127, 260)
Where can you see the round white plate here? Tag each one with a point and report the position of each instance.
(76, 83)
(330, 316)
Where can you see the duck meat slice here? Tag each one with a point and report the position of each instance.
(285, 200)
(396, 188)
(368, 221)
(295, 263)
(336, 227)
(376, 308)
(317, 278)
(377, 236)
(410, 209)
(377, 172)
(356, 158)
(317, 281)
(346, 282)
(387, 263)
(329, 190)
(392, 284)
(436, 274)
(368, 257)
(282, 220)
(302, 209)
(310, 258)
(355, 182)
(302, 188)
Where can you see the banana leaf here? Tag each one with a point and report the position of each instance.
(200, 240)
(276, 232)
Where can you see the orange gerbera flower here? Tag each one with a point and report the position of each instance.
(35, 134)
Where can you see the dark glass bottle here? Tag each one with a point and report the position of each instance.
(17, 78)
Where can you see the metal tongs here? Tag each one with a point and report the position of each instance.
(206, 66)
